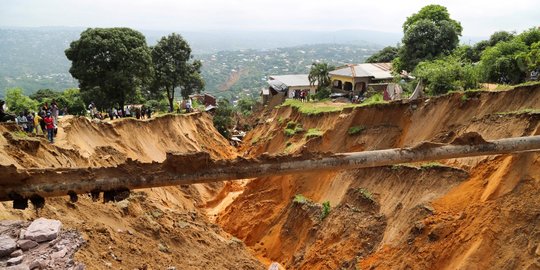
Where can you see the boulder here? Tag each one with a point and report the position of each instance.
(43, 229)
(7, 245)
(27, 244)
(15, 261)
(16, 253)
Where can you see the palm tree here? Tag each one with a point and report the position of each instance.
(319, 74)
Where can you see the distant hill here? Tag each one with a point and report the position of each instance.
(33, 58)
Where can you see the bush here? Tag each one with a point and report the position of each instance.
(299, 198)
(17, 102)
(325, 209)
(289, 132)
(356, 130)
(447, 74)
(313, 133)
(322, 94)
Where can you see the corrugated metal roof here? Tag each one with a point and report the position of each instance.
(374, 70)
(290, 80)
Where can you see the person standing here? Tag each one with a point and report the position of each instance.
(30, 120)
(22, 121)
(49, 125)
(37, 123)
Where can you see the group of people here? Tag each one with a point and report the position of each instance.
(301, 95)
(139, 112)
(46, 121)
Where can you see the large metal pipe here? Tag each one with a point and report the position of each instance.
(182, 169)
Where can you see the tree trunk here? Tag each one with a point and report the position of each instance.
(172, 172)
(170, 97)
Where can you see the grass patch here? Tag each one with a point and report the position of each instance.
(314, 108)
(374, 99)
(325, 209)
(289, 132)
(431, 165)
(19, 135)
(356, 130)
(299, 198)
(314, 133)
(366, 194)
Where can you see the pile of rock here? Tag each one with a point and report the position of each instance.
(38, 245)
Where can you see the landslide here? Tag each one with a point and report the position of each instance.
(154, 228)
(467, 213)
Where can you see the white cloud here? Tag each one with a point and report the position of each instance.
(477, 17)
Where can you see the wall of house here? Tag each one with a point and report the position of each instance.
(292, 89)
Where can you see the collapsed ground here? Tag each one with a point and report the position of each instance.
(477, 212)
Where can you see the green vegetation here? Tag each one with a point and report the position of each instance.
(447, 74)
(173, 68)
(319, 73)
(387, 54)
(430, 165)
(374, 99)
(314, 133)
(289, 132)
(427, 35)
(325, 209)
(312, 108)
(293, 128)
(299, 198)
(223, 120)
(354, 130)
(110, 64)
(17, 102)
(19, 135)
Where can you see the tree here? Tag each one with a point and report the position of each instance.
(319, 73)
(501, 63)
(73, 101)
(173, 69)
(428, 34)
(443, 75)
(109, 63)
(17, 102)
(387, 54)
(223, 120)
(45, 95)
(500, 36)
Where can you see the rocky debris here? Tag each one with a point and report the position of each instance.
(46, 246)
(43, 229)
(16, 253)
(15, 261)
(7, 245)
(27, 244)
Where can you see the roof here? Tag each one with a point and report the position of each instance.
(374, 70)
(289, 80)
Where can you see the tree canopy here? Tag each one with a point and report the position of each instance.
(173, 68)
(387, 54)
(109, 63)
(17, 102)
(428, 34)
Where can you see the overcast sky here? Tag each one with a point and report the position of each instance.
(478, 17)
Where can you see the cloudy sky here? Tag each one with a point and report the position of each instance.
(478, 17)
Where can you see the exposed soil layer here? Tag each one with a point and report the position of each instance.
(151, 229)
(466, 213)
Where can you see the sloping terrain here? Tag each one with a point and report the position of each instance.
(469, 213)
(466, 213)
(154, 228)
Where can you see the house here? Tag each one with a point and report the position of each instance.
(355, 79)
(204, 99)
(292, 85)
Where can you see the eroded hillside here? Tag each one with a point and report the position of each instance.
(464, 213)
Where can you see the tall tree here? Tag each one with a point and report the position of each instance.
(173, 68)
(428, 34)
(109, 63)
(387, 54)
(319, 73)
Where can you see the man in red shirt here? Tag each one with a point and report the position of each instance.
(49, 125)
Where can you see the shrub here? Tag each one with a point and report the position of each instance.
(366, 194)
(356, 130)
(291, 125)
(313, 133)
(289, 132)
(325, 209)
(299, 198)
